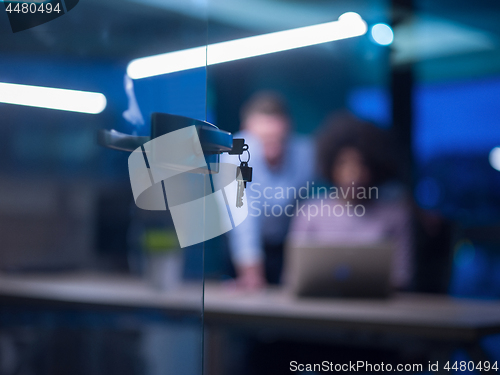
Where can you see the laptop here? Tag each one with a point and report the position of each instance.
(339, 270)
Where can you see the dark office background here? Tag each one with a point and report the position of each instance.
(65, 203)
(454, 97)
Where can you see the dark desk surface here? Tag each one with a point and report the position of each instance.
(429, 316)
(98, 289)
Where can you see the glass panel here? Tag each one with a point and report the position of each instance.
(418, 89)
(91, 283)
(456, 138)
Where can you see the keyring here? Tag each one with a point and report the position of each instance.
(245, 148)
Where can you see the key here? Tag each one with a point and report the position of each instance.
(243, 175)
(246, 172)
(240, 193)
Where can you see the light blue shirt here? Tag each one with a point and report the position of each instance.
(271, 196)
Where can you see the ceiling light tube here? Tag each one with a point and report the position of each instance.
(348, 25)
(52, 98)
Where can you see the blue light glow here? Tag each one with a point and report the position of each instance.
(382, 34)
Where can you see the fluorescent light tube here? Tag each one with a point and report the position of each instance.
(52, 98)
(348, 25)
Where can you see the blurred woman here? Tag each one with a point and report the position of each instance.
(361, 203)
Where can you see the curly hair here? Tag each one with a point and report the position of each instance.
(343, 130)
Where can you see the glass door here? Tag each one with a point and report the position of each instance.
(91, 281)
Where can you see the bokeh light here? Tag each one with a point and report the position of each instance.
(382, 34)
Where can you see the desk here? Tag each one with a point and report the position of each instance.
(434, 324)
(441, 320)
(428, 316)
(98, 324)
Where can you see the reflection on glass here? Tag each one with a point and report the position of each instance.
(116, 293)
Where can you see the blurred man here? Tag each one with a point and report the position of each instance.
(282, 163)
